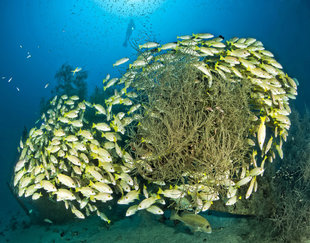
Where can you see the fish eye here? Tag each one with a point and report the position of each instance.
(208, 226)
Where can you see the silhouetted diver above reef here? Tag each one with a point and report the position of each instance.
(130, 28)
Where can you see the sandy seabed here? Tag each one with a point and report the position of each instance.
(140, 228)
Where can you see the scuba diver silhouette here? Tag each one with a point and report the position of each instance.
(130, 28)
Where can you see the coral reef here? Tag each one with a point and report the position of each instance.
(289, 219)
(189, 123)
(192, 126)
(68, 84)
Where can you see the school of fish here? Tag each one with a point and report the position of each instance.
(79, 163)
(236, 60)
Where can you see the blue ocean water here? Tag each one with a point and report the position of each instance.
(38, 36)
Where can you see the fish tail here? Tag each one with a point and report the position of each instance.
(160, 191)
(91, 183)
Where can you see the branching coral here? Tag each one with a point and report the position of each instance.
(192, 129)
(291, 186)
